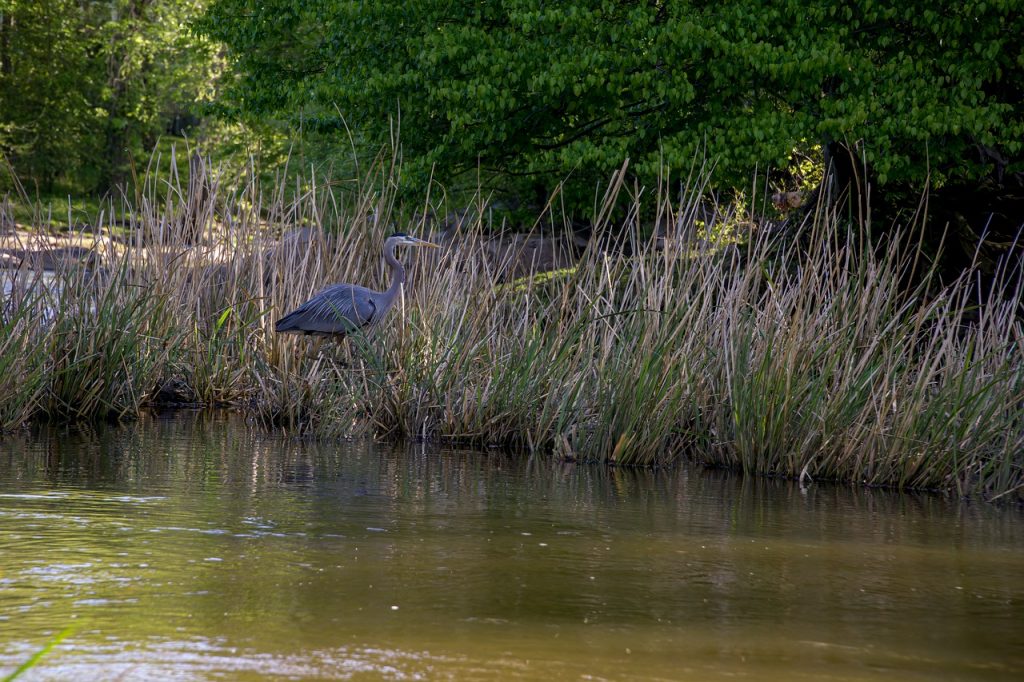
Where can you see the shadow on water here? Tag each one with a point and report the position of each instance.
(190, 545)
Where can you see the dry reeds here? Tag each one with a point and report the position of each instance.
(806, 360)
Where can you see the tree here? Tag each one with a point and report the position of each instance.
(528, 92)
(47, 84)
(155, 68)
(85, 84)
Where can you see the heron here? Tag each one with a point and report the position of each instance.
(340, 309)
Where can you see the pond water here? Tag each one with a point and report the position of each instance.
(191, 547)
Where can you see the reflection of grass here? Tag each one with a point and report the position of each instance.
(38, 656)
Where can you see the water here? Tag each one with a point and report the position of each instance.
(12, 279)
(190, 547)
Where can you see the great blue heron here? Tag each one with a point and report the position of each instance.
(342, 308)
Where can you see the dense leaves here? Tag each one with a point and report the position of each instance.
(535, 91)
(84, 84)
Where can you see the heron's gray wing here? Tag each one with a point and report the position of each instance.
(337, 309)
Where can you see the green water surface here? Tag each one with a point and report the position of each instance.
(193, 547)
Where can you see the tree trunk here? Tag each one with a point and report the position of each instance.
(6, 29)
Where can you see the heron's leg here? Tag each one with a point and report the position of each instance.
(338, 346)
(361, 343)
(313, 350)
(327, 348)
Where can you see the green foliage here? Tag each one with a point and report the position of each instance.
(522, 93)
(85, 86)
(45, 93)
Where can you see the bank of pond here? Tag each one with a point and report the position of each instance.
(791, 353)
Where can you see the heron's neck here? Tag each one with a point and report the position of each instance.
(397, 270)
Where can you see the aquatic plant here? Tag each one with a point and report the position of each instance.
(38, 656)
(22, 370)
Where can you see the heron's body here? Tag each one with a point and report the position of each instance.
(340, 309)
(337, 309)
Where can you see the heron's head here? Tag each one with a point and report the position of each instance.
(402, 239)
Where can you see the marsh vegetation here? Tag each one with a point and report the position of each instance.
(797, 352)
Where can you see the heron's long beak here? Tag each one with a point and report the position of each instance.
(423, 242)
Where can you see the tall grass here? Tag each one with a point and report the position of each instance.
(22, 369)
(804, 356)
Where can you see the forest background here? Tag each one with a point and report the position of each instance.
(521, 97)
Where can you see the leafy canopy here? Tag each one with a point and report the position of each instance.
(86, 83)
(527, 92)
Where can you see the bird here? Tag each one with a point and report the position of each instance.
(340, 309)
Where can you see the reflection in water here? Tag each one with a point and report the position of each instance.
(193, 547)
